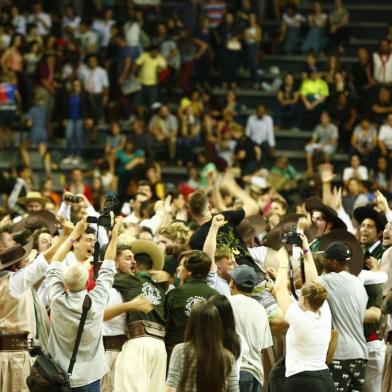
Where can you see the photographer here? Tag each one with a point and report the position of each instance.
(82, 207)
(66, 308)
(309, 330)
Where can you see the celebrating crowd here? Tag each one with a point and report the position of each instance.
(247, 276)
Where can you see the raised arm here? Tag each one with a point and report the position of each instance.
(67, 243)
(210, 243)
(138, 304)
(249, 205)
(281, 284)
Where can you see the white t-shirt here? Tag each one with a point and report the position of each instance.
(385, 135)
(94, 80)
(349, 172)
(307, 339)
(115, 326)
(252, 323)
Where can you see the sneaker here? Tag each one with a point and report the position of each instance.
(75, 161)
(67, 161)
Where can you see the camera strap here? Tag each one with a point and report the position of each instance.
(291, 277)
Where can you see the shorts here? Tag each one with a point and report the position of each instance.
(38, 136)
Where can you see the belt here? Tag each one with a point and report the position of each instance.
(142, 328)
(389, 337)
(372, 337)
(13, 341)
(114, 343)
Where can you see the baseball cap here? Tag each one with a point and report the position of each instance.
(244, 276)
(338, 251)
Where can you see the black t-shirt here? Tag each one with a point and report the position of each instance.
(227, 236)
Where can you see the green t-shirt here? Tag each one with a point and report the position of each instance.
(123, 159)
(130, 286)
(179, 303)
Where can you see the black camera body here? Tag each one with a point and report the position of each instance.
(291, 238)
(72, 199)
(105, 220)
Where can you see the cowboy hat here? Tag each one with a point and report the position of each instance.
(151, 249)
(356, 263)
(251, 227)
(368, 212)
(315, 203)
(33, 196)
(36, 220)
(15, 253)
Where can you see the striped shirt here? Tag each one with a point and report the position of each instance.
(214, 10)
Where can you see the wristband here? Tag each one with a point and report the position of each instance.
(306, 251)
(71, 241)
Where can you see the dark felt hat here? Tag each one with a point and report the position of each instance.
(356, 263)
(37, 220)
(315, 203)
(14, 253)
(251, 227)
(368, 212)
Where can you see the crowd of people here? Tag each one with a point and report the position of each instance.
(250, 275)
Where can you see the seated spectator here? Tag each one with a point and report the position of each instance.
(290, 29)
(18, 20)
(246, 153)
(114, 143)
(382, 106)
(142, 138)
(74, 113)
(313, 92)
(344, 115)
(385, 139)
(88, 38)
(288, 103)
(382, 178)
(311, 64)
(338, 26)
(362, 72)
(324, 139)
(334, 66)
(284, 176)
(130, 162)
(316, 39)
(163, 126)
(355, 195)
(260, 129)
(364, 142)
(232, 104)
(189, 137)
(382, 62)
(355, 170)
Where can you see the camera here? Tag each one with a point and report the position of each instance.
(72, 199)
(291, 238)
(104, 220)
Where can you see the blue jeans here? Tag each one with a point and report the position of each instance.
(74, 137)
(248, 383)
(92, 387)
